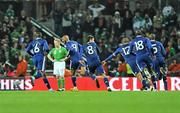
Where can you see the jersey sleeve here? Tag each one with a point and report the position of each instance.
(149, 46)
(29, 48)
(163, 51)
(97, 48)
(117, 51)
(45, 46)
(131, 44)
(65, 51)
(51, 52)
(80, 49)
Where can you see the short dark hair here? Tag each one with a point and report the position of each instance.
(90, 37)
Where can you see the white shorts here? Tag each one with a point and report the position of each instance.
(59, 68)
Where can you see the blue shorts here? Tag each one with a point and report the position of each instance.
(133, 65)
(143, 61)
(96, 68)
(39, 62)
(159, 62)
(76, 65)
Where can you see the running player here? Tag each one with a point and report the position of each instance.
(93, 60)
(159, 62)
(75, 51)
(142, 48)
(123, 49)
(38, 49)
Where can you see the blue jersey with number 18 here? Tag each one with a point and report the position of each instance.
(37, 47)
(91, 53)
(141, 45)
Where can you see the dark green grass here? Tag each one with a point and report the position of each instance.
(89, 102)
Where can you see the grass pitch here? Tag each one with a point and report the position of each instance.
(89, 102)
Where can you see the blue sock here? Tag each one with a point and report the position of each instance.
(93, 76)
(74, 80)
(106, 81)
(38, 75)
(144, 83)
(165, 83)
(47, 83)
(154, 82)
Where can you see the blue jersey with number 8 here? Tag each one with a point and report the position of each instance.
(91, 53)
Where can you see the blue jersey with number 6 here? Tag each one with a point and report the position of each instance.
(37, 48)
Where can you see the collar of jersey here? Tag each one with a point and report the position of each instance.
(38, 38)
(139, 36)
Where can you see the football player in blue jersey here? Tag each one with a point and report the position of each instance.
(142, 48)
(38, 49)
(159, 62)
(76, 57)
(124, 50)
(93, 61)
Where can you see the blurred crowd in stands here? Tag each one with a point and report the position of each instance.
(109, 23)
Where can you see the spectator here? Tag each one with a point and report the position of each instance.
(21, 67)
(100, 23)
(138, 8)
(88, 26)
(174, 68)
(8, 69)
(77, 29)
(170, 50)
(125, 11)
(138, 21)
(117, 24)
(127, 24)
(96, 9)
(148, 22)
(150, 10)
(116, 8)
(22, 16)
(57, 16)
(157, 22)
(122, 69)
(10, 12)
(67, 22)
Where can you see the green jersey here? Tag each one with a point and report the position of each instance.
(58, 53)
